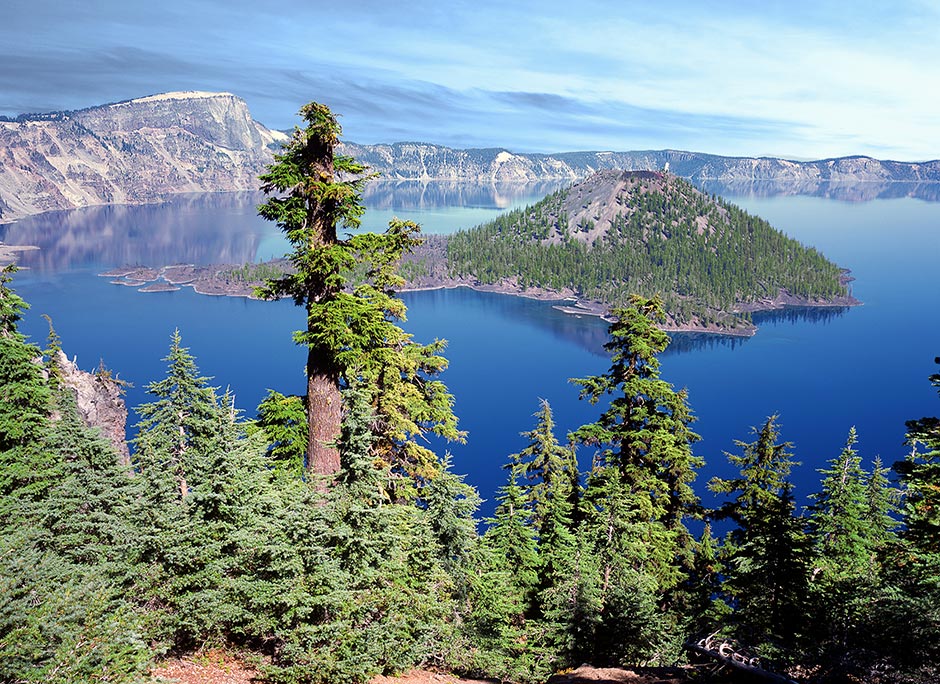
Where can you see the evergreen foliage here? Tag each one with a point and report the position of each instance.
(544, 467)
(766, 554)
(24, 402)
(645, 435)
(66, 531)
(920, 476)
(347, 288)
(219, 532)
(284, 421)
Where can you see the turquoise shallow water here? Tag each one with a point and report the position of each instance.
(866, 366)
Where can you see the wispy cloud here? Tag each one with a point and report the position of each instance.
(796, 78)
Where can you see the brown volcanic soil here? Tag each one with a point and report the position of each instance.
(218, 667)
(212, 667)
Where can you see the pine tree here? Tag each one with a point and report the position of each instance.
(645, 435)
(65, 531)
(25, 399)
(544, 466)
(905, 619)
(186, 447)
(766, 554)
(839, 517)
(881, 505)
(920, 480)
(315, 192)
(849, 529)
(512, 538)
(284, 422)
(408, 400)
(566, 599)
(632, 615)
(378, 594)
(347, 288)
(450, 504)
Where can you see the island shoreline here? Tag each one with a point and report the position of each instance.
(205, 281)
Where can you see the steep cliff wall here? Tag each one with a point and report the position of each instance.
(131, 152)
(142, 150)
(421, 161)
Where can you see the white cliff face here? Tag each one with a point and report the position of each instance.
(100, 401)
(131, 152)
(418, 161)
(144, 149)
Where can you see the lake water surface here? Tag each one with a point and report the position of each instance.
(822, 372)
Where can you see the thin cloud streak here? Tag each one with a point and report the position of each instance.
(799, 79)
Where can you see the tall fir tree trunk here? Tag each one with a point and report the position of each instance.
(324, 403)
(324, 417)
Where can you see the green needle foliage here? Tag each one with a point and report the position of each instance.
(645, 435)
(620, 233)
(347, 287)
(66, 529)
(544, 467)
(284, 422)
(223, 532)
(766, 555)
(920, 477)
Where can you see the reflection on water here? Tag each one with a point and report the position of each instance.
(590, 332)
(685, 342)
(224, 228)
(410, 195)
(800, 314)
(587, 332)
(199, 229)
(847, 191)
(506, 352)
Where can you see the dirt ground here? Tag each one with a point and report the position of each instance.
(217, 667)
(212, 667)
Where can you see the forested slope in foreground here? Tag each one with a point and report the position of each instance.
(214, 536)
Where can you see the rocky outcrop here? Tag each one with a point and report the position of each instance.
(100, 399)
(131, 152)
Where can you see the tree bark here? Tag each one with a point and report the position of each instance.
(324, 418)
(324, 403)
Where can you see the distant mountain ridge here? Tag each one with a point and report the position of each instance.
(423, 161)
(144, 149)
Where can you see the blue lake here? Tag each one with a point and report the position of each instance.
(821, 372)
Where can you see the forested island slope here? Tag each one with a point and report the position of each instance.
(619, 233)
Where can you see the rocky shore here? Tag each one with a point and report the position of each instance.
(221, 280)
(208, 280)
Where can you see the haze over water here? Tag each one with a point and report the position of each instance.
(823, 372)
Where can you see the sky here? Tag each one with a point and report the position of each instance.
(796, 79)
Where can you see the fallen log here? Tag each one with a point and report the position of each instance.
(728, 653)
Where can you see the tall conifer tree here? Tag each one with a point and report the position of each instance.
(316, 192)
(347, 288)
(839, 519)
(920, 478)
(546, 469)
(767, 553)
(646, 435)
